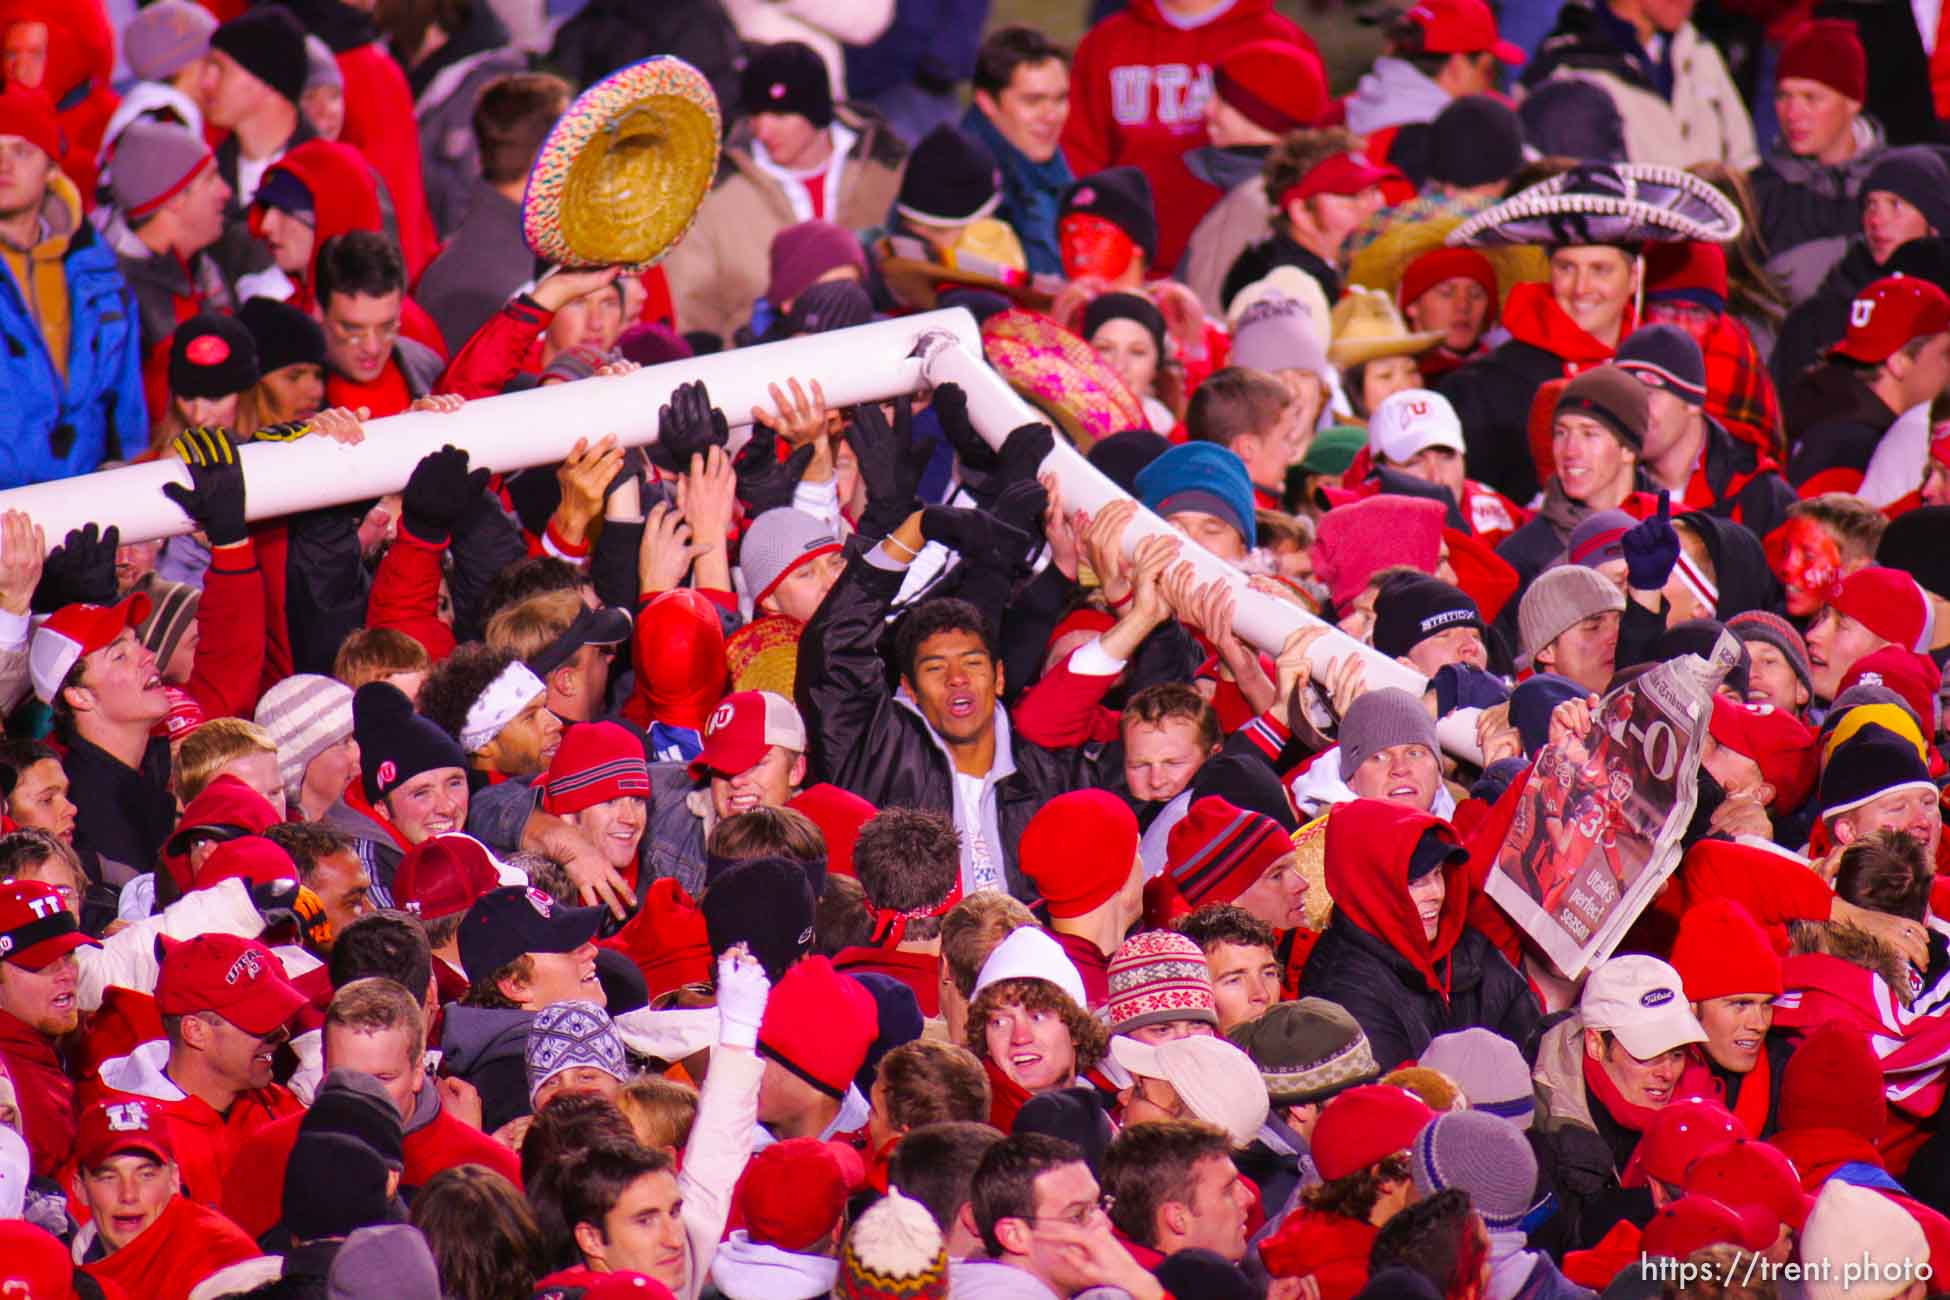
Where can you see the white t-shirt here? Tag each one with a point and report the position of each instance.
(984, 872)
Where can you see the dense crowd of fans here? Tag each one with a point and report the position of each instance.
(803, 855)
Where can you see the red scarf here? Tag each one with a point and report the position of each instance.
(1756, 1090)
(1696, 1081)
(1006, 1097)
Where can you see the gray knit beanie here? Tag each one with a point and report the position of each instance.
(1379, 720)
(776, 543)
(1558, 600)
(306, 714)
(153, 162)
(1488, 1068)
(1276, 333)
(1485, 1156)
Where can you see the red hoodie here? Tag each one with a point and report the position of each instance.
(44, 1092)
(1369, 844)
(172, 1256)
(1532, 316)
(1138, 89)
(379, 123)
(80, 64)
(344, 191)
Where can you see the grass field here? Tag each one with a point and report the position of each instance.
(1347, 46)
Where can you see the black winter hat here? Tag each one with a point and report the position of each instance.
(211, 356)
(1573, 118)
(353, 1105)
(789, 77)
(1121, 196)
(1207, 1274)
(269, 44)
(1698, 636)
(1120, 456)
(898, 1014)
(333, 1186)
(1869, 764)
(1917, 175)
(1913, 542)
(1611, 397)
(1076, 1115)
(1407, 611)
(766, 903)
(1667, 358)
(1476, 140)
(395, 743)
(951, 179)
(284, 335)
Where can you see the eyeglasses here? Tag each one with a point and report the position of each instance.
(1081, 1217)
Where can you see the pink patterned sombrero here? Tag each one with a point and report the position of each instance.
(620, 176)
(1061, 375)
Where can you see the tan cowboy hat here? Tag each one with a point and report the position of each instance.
(1367, 327)
(619, 179)
(1380, 265)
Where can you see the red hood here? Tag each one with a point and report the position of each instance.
(1369, 844)
(343, 194)
(1331, 1247)
(680, 666)
(1146, 11)
(80, 42)
(1818, 1152)
(1532, 316)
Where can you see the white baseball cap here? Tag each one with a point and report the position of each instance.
(1642, 1002)
(1217, 1082)
(1411, 421)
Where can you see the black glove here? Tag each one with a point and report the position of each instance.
(1021, 506)
(950, 406)
(286, 902)
(214, 500)
(439, 493)
(1023, 453)
(891, 462)
(975, 535)
(289, 431)
(689, 426)
(80, 571)
(1651, 549)
(763, 482)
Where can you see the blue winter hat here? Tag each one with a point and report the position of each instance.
(1531, 704)
(1201, 476)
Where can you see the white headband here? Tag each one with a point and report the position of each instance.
(1694, 580)
(501, 703)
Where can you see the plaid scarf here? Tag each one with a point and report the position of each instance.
(1739, 392)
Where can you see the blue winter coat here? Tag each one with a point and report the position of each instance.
(51, 430)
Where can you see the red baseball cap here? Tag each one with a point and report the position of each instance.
(116, 1126)
(1342, 173)
(1462, 27)
(36, 927)
(224, 810)
(742, 728)
(32, 1259)
(74, 631)
(1778, 741)
(1913, 676)
(252, 859)
(1747, 1171)
(1683, 1130)
(1693, 1221)
(441, 876)
(236, 978)
(1888, 314)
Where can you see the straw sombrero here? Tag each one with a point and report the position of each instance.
(1606, 203)
(620, 176)
(1367, 327)
(989, 257)
(1061, 375)
(1381, 264)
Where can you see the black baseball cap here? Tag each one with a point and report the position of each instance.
(604, 625)
(507, 922)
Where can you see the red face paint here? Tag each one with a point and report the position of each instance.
(1807, 561)
(1093, 246)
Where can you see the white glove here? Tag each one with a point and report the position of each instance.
(742, 990)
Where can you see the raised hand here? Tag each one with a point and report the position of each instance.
(214, 500)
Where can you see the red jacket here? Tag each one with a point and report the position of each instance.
(172, 1256)
(498, 351)
(406, 594)
(254, 1194)
(206, 1141)
(44, 1091)
(920, 971)
(229, 665)
(1331, 1248)
(1138, 91)
(379, 124)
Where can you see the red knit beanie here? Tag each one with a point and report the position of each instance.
(29, 114)
(1355, 541)
(1439, 264)
(819, 1025)
(1217, 851)
(1834, 1080)
(1829, 51)
(1695, 272)
(1273, 84)
(1079, 848)
(1722, 951)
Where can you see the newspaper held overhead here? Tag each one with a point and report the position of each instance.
(1598, 827)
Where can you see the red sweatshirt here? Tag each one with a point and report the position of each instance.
(172, 1256)
(44, 1090)
(378, 123)
(406, 592)
(1138, 89)
(229, 665)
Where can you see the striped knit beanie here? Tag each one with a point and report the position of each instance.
(1156, 977)
(172, 608)
(596, 762)
(306, 715)
(894, 1252)
(1217, 851)
(1306, 1050)
(1485, 1156)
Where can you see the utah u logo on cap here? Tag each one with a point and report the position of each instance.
(1859, 312)
(720, 718)
(128, 1117)
(246, 967)
(1418, 409)
(544, 905)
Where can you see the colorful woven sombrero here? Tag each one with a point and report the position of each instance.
(1606, 203)
(1061, 375)
(620, 176)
